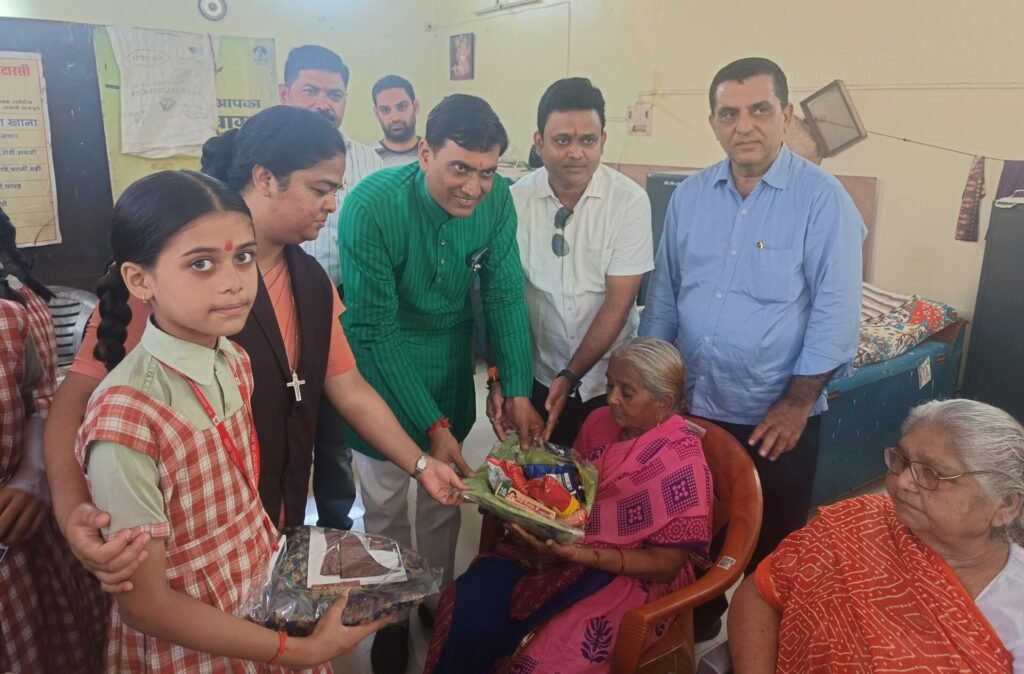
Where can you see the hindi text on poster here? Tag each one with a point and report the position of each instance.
(28, 191)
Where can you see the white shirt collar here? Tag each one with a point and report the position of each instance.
(596, 188)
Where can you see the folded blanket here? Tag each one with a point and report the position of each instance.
(899, 330)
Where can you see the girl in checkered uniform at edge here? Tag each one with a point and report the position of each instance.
(168, 443)
(51, 610)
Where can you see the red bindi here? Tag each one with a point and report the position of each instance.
(229, 246)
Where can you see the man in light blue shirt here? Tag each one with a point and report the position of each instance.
(757, 281)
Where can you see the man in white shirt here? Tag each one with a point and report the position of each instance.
(316, 78)
(395, 106)
(585, 243)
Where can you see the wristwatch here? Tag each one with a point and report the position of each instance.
(421, 465)
(574, 381)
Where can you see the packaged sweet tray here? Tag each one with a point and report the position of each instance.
(548, 490)
(314, 565)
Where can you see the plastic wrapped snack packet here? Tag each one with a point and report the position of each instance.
(315, 564)
(548, 490)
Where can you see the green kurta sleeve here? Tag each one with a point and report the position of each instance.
(372, 297)
(502, 292)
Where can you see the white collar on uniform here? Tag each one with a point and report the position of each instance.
(192, 360)
(597, 188)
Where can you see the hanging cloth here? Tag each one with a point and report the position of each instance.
(970, 203)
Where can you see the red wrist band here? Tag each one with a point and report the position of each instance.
(622, 561)
(282, 640)
(440, 423)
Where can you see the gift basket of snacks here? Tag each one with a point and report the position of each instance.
(313, 565)
(548, 490)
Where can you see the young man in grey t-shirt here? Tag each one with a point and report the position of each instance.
(395, 106)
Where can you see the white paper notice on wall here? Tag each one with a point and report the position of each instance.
(924, 372)
(638, 119)
(168, 99)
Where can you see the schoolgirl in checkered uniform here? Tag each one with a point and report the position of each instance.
(52, 613)
(168, 442)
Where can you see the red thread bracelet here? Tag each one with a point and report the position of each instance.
(440, 423)
(622, 561)
(282, 637)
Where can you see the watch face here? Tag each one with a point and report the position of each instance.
(421, 463)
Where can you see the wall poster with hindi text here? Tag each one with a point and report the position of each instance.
(28, 189)
(245, 83)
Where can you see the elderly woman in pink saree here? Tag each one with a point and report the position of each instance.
(536, 606)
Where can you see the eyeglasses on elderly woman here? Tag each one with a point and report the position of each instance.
(924, 475)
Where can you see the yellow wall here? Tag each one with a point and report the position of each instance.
(916, 68)
(894, 50)
(374, 37)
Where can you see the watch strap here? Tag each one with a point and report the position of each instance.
(570, 376)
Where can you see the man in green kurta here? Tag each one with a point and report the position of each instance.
(412, 241)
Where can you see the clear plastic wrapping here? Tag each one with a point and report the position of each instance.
(492, 492)
(314, 565)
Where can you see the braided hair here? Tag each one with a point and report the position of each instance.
(14, 263)
(148, 215)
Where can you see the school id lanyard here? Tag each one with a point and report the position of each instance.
(229, 442)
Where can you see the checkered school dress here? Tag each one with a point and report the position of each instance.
(40, 324)
(14, 331)
(218, 537)
(53, 613)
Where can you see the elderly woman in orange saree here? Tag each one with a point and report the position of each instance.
(927, 578)
(651, 511)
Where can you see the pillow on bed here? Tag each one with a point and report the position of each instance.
(900, 330)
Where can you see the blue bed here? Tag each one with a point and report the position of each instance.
(867, 408)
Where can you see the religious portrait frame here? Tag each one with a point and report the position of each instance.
(461, 53)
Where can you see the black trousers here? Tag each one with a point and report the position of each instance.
(334, 486)
(786, 485)
(573, 414)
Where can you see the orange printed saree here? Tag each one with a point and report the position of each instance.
(859, 592)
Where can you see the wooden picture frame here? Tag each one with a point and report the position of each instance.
(833, 119)
(461, 53)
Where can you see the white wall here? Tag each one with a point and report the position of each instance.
(944, 72)
(917, 69)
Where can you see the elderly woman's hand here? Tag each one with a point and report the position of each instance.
(576, 554)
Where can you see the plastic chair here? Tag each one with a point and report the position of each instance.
(70, 310)
(737, 505)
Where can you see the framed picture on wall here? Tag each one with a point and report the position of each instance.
(460, 56)
(833, 119)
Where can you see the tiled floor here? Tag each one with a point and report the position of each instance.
(477, 445)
